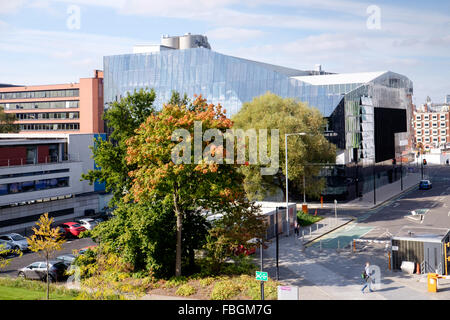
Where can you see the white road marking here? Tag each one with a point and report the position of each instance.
(449, 213)
(395, 204)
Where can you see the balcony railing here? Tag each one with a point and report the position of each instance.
(10, 162)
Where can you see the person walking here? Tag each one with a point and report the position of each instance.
(366, 277)
(297, 229)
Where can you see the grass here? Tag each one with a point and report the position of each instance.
(19, 289)
(11, 293)
(305, 219)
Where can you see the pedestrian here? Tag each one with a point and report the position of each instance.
(297, 229)
(366, 277)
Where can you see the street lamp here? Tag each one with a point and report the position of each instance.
(286, 162)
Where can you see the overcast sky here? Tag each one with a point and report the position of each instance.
(58, 41)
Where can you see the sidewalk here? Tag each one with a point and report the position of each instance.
(321, 228)
(382, 194)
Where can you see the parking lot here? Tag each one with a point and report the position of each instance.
(17, 262)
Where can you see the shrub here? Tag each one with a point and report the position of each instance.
(185, 290)
(224, 290)
(253, 288)
(206, 281)
(175, 281)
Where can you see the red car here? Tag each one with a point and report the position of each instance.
(72, 228)
(243, 250)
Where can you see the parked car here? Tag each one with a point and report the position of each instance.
(88, 223)
(72, 228)
(66, 258)
(38, 271)
(4, 246)
(245, 251)
(83, 250)
(17, 241)
(425, 185)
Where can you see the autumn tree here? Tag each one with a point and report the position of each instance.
(4, 252)
(45, 241)
(123, 118)
(270, 111)
(188, 184)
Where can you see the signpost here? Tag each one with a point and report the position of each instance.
(261, 276)
(288, 293)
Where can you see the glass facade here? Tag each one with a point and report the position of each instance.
(219, 78)
(349, 102)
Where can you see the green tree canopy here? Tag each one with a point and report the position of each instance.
(270, 111)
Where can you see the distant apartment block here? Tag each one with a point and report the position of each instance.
(62, 108)
(431, 126)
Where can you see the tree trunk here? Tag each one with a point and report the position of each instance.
(179, 228)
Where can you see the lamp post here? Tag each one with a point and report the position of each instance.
(286, 162)
(276, 235)
(261, 254)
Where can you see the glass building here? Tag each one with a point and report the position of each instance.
(369, 112)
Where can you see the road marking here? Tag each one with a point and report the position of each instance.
(448, 214)
(395, 205)
(434, 204)
(443, 193)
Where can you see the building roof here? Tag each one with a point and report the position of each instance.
(422, 234)
(343, 78)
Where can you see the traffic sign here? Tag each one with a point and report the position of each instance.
(261, 276)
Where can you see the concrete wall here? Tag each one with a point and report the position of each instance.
(80, 204)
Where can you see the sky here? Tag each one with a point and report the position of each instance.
(60, 41)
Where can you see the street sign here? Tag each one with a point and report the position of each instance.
(394, 248)
(261, 276)
(288, 293)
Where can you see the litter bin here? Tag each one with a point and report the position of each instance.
(305, 208)
(432, 282)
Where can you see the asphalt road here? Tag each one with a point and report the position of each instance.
(30, 257)
(390, 217)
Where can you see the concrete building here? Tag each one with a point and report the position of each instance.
(41, 173)
(61, 108)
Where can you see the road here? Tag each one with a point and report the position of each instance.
(30, 257)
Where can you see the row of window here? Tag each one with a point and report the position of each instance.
(434, 125)
(33, 173)
(434, 132)
(442, 140)
(40, 105)
(427, 117)
(49, 126)
(47, 115)
(40, 94)
(36, 185)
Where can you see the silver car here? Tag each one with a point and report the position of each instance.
(17, 241)
(38, 271)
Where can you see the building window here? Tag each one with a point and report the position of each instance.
(419, 125)
(49, 126)
(419, 132)
(426, 125)
(419, 139)
(427, 132)
(40, 94)
(435, 132)
(443, 125)
(427, 139)
(444, 132)
(434, 117)
(435, 125)
(442, 116)
(418, 118)
(34, 185)
(426, 117)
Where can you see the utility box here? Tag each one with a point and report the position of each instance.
(421, 245)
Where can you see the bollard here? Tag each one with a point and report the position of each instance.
(354, 245)
(320, 242)
(389, 260)
(338, 245)
(310, 228)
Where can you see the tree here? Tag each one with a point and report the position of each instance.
(123, 117)
(7, 124)
(3, 254)
(232, 231)
(45, 240)
(189, 185)
(270, 111)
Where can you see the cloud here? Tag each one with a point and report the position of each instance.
(234, 34)
(10, 6)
